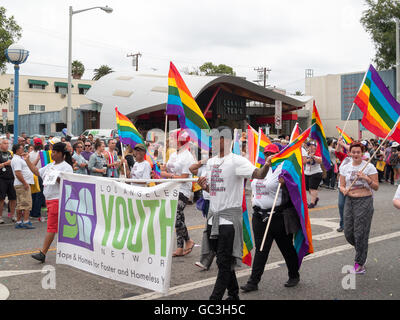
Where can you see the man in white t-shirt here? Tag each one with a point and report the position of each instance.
(224, 180)
(141, 169)
(23, 180)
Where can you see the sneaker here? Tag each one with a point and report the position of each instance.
(27, 225)
(358, 269)
(39, 256)
(1, 221)
(340, 229)
(248, 287)
(42, 219)
(14, 219)
(19, 226)
(292, 282)
(200, 265)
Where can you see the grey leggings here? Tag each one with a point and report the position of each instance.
(358, 214)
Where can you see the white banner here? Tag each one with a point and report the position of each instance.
(116, 230)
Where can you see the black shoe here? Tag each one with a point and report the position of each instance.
(248, 287)
(233, 298)
(311, 206)
(39, 256)
(339, 229)
(292, 282)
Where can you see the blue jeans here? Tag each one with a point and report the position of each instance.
(341, 201)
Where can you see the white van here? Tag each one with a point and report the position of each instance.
(101, 133)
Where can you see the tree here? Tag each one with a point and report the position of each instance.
(208, 68)
(78, 69)
(10, 32)
(298, 93)
(379, 21)
(101, 72)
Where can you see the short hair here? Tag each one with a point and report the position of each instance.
(356, 144)
(16, 147)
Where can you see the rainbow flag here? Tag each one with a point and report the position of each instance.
(380, 108)
(247, 240)
(181, 103)
(318, 134)
(295, 132)
(263, 141)
(252, 139)
(129, 135)
(345, 136)
(293, 174)
(45, 158)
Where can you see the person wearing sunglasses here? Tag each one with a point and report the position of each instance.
(81, 164)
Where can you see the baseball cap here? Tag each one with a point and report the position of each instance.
(37, 141)
(395, 144)
(273, 148)
(140, 146)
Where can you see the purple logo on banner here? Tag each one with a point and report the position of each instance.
(78, 214)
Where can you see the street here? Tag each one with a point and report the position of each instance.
(323, 274)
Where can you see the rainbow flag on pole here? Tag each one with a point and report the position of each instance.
(252, 139)
(318, 134)
(295, 132)
(263, 141)
(129, 135)
(293, 174)
(345, 136)
(181, 103)
(380, 108)
(45, 158)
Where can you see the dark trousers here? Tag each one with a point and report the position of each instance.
(37, 201)
(330, 179)
(389, 174)
(381, 175)
(226, 278)
(284, 241)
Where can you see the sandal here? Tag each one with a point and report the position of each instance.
(175, 254)
(189, 250)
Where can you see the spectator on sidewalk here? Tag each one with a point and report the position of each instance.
(6, 181)
(23, 178)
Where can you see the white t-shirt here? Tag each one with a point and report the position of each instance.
(397, 194)
(141, 170)
(52, 192)
(33, 155)
(226, 180)
(350, 173)
(178, 164)
(202, 173)
(311, 169)
(19, 164)
(264, 191)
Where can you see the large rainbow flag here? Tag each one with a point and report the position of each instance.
(318, 134)
(252, 139)
(345, 136)
(263, 141)
(380, 108)
(247, 240)
(129, 135)
(181, 103)
(45, 158)
(293, 174)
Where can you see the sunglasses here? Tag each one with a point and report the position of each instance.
(87, 145)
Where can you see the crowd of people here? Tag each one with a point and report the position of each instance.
(356, 171)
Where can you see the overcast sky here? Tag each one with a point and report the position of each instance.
(286, 36)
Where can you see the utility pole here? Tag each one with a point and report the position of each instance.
(262, 75)
(135, 59)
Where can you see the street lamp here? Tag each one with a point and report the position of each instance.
(16, 54)
(69, 107)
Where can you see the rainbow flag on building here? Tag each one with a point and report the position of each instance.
(45, 158)
(263, 141)
(293, 174)
(380, 108)
(318, 134)
(247, 240)
(129, 135)
(181, 103)
(345, 136)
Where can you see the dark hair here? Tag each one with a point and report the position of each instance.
(38, 147)
(97, 143)
(356, 144)
(76, 145)
(62, 147)
(16, 147)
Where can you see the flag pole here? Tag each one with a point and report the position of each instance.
(270, 217)
(376, 151)
(352, 107)
(165, 139)
(123, 159)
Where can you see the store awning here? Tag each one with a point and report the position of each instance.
(38, 82)
(84, 86)
(62, 84)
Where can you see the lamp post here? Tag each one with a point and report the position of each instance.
(69, 107)
(16, 54)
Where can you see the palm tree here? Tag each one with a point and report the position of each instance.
(78, 69)
(101, 72)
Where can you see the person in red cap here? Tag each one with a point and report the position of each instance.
(284, 224)
(177, 167)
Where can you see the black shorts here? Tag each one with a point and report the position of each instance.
(313, 181)
(7, 189)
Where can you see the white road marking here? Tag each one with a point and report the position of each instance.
(210, 281)
(10, 273)
(326, 222)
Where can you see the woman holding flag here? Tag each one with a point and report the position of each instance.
(357, 180)
(284, 224)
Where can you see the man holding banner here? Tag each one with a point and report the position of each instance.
(224, 180)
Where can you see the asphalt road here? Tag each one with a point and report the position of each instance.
(322, 274)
